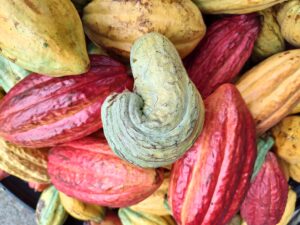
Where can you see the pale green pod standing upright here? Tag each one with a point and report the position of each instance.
(270, 40)
(288, 17)
(10, 74)
(49, 210)
(161, 119)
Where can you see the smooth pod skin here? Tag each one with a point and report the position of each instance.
(209, 182)
(288, 15)
(45, 111)
(157, 123)
(80, 210)
(272, 88)
(89, 171)
(223, 52)
(115, 25)
(10, 74)
(267, 196)
(234, 7)
(270, 40)
(43, 36)
(49, 210)
(131, 217)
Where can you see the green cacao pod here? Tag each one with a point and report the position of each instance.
(43, 36)
(10, 73)
(234, 7)
(115, 25)
(49, 210)
(288, 18)
(95, 50)
(160, 121)
(131, 217)
(270, 40)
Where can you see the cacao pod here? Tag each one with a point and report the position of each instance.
(263, 146)
(288, 18)
(113, 182)
(131, 217)
(236, 220)
(210, 181)
(26, 163)
(287, 139)
(96, 50)
(272, 88)
(125, 21)
(81, 210)
(294, 171)
(217, 60)
(49, 210)
(284, 168)
(289, 208)
(156, 124)
(270, 40)
(3, 174)
(296, 109)
(267, 197)
(154, 204)
(34, 38)
(45, 111)
(234, 7)
(10, 73)
(38, 186)
(111, 218)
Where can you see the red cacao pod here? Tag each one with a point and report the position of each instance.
(210, 181)
(88, 170)
(44, 111)
(223, 52)
(266, 199)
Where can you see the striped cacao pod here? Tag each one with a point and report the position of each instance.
(217, 60)
(113, 182)
(272, 88)
(210, 181)
(42, 111)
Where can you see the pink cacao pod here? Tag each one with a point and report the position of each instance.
(43, 111)
(88, 170)
(210, 181)
(267, 197)
(223, 52)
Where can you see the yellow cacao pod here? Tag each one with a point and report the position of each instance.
(115, 25)
(154, 204)
(81, 210)
(270, 40)
(288, 15)
(289, 208)
(26, 163)
(43, 36)
(287, 139)
(296, 109)
(294, 171)
(234, 7)
(272, 88)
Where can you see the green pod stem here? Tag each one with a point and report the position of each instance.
(160, 121)
(263, 146)
(10, 73)
(49, 210)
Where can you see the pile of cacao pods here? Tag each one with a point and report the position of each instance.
(153, 112)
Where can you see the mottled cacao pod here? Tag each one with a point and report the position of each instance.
(267, 196)
(44, 111)
(26, 163)
(234, 7)
(80, 210)
(272, 88)
(217, 60)
(44, 36)
(288, 19)
(155, 203)
(270, 40)
(209, 182)
(113, 182)
(160, 121)
(131, 217)
(287, 139)
(49, 210)
(126, 21)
